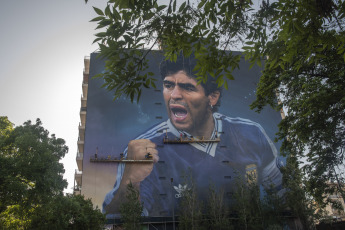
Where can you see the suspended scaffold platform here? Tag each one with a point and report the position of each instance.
(188, 140)
(122, 159)
(106, 160)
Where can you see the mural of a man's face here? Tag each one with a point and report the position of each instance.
(187, 105)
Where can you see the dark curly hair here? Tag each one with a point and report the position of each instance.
(187, 65)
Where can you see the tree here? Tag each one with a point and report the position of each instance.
(30, 170)
(131, 210)
(296, 198)
(217, 213)
(5, 126)
(190, 213)
(273, 209)
(15, 218)
(129, 25)
(303, 40)
(31, 182)
(248, 205)
(68, 212)
(306, 68)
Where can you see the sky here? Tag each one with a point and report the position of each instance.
(43, 45)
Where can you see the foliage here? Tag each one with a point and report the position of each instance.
(131, 210)
(306, 68)
(296, 196)
(68, 212)
(14, 217)
(30, 170)
(190, 215)
(31, 182)
(6, 127)
(128, 26)
(218, 212)
(305, 43)
(258, 207)
(248, 204)
(273, 209)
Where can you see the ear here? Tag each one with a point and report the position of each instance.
(214, 97)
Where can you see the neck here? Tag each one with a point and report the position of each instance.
(205, 129)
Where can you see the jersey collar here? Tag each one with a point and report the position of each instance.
(207, 147)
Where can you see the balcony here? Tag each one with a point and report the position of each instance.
(83, 101)
(79, 159)
(83, 115)
(81, 132)
(77, 177)
(80, 145)
(85, 86)
(86, 64)
(85, 77)
(77, 190)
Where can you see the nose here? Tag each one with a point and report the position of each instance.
(176, 93)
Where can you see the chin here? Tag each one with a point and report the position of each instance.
(181, 127)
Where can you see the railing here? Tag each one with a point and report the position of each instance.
(80, 155)
(77, 188)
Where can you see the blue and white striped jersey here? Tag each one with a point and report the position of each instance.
(244, 148)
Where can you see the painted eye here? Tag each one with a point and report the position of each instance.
(168, 85)
(190, 88)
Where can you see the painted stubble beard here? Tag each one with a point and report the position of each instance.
(173, 112)
(173, 102)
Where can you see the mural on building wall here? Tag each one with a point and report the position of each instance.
(181, 128)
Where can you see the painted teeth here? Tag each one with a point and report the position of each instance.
(178, 115)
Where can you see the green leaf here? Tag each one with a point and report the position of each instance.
(174, 57)
(212, 74)
(107, 11)
(153, 84)
(169, 9)
(259, 62)
(201, 4)
(117, 16)
(99, 18)
(250, 43)
(139, 94)
(207, 7)
(101, 34)
(136, 85)
(98, 11)
(229, 76)
(213, 18)
(226, 85)
(131, 95)
(183, 5)
(161, 7)
(128, 39)
(148, 16)
(252, 64)
(105, 22)
(96, 40)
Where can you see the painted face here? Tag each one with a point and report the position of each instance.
(186, 102)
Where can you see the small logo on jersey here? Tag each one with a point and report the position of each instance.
(251, 173)
(180, 189)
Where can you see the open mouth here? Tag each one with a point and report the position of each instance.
(179, 112)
